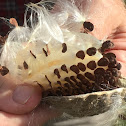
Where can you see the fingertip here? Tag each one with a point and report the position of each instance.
(33, 100)
(23, 94)
(22, 99)
(27, 97)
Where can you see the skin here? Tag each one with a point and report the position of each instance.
(108, 17)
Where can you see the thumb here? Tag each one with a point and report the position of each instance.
(18, 99)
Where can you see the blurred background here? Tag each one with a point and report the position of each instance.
(13, 8)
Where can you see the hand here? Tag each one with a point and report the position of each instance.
(17, 102)
(108, 17)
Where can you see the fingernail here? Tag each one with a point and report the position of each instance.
(22, 94)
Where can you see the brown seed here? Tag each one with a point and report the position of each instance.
(56, 72)
(88, 84)
(58, 82)
(99, 79)
(113, 63)
(91, 65)
(91, 51)
(81, 66)
(45, 52)
(40, 85)
(112, 81)
(67, 79)
(99, 71)
(74, 79)
(33, 54)
(75, 69)
(59, 93)
(110, 56)
(59, 88)
(4, 71)
(64, 68)
(107, 76)
(48, 81)
(103, 62)
(90, 76)
(107, 45)
(25, 65)
(97, 87)
(79, 84)
(75, 92)
(66, 92)
(109, 73)
(83, 87)
(115, 72)
(81, 91)
(67, 85)
(80, 77)
(72, 92)
(78, 91)
(80, 54)
(113, 60)
(88, 25)
(64, 47)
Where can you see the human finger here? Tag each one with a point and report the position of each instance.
(18, 99)
(37, 117)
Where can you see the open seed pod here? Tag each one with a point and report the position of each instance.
(75, 73)
(104, 108)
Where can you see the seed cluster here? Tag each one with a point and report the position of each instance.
(80, 77)
(104, 74)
